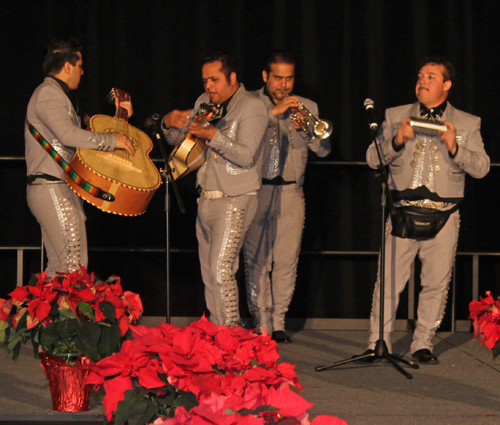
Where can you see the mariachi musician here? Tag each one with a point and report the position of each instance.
(53, 115)
(272, 243)
(228, 181)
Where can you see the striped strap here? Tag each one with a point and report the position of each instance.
(85, 185)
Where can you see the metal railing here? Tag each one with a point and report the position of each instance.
(411, 287)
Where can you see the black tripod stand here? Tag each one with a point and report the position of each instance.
(381, 351)
(168, 180)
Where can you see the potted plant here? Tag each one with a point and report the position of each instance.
(71, 320)
(485, 315)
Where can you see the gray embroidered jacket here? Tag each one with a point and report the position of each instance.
(52, 114)
(232, 156)
(424, 159)
(292, 166)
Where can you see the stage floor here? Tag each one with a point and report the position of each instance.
(463, 389)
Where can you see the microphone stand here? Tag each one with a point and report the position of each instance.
(381, 351)
(168, 179)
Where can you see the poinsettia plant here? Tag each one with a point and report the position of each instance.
(260, 406)
(485, 315)
(69, 315)
(263, 405)
(165, 367)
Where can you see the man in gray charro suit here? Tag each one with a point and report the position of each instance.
(272, 243)
(56, 207)
(228, 180)
(425, 172)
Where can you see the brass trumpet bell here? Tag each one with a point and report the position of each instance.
(321, 128)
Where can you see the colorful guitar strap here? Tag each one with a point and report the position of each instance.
(85, 185)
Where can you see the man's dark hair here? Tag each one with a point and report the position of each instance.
(60, 51)
(449, 69)
(279, 56)
(228, 63)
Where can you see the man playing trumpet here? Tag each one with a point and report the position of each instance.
(272, 243)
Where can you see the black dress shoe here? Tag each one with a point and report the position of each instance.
(425, 356)
(281, 336)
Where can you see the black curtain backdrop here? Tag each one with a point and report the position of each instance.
(346, 51)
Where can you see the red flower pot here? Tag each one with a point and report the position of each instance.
(66, 381)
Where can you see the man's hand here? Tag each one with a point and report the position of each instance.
(127, 105)
(449, 137)
(285, 103)
(123, 142)
(202, 132)
(176, 118)
(405, 131)
(300, 116)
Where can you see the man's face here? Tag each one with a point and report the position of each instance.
(279, 81)
(431, 89)
(216, 85)
(76, 73)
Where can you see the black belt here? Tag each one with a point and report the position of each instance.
(277, 181)
(48, 177)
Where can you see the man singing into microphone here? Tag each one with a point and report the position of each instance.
(426, 172)
(272, 243)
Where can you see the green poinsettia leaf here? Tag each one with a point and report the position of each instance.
(109, 311)
(87, 337)
(86, 309)
(496, 350)
(167, 399)
(67, 328)
(186, 399)
(111, 279)
(68, 314)
(48, 337)
(35, 340)
(22, 322)
(3, 327)
(110, 341)
(33, 280)
(131, 406)
(149, 415)
(14, 345)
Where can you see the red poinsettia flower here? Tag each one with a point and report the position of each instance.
(5, 309)
(116, 389)
(288, 402)
(19, 294)
(39, 310)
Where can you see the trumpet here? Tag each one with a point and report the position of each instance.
(321, 128)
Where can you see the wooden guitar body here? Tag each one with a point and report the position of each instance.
(131, 179)
(187, 156)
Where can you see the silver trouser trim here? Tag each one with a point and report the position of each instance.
(68, 221)
(226, 280)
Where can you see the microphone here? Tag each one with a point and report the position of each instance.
(150, 122)
(369, 106)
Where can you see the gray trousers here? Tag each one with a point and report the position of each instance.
(220, 228)
(271, 249)
(59, 211)
(437, 256)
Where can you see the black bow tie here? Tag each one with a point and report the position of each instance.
(431, 113)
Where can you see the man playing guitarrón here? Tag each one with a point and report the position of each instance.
(53, 112)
